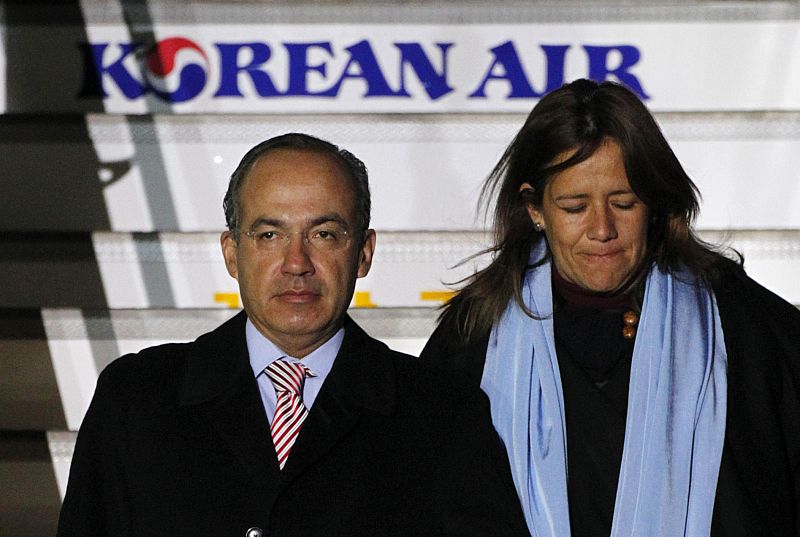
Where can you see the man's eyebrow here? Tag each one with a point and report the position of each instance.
(330, 217)
(272, 222)
(278, 223)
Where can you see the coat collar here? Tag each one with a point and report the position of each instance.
(362, 380)
(218, 362)
(219, 382)
(363, 373)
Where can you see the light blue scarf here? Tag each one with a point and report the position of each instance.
(676, 410)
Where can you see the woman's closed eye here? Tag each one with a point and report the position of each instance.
(573, 209)
(625, 203)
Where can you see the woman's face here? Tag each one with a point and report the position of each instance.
(595, 225)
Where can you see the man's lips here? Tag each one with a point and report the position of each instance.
(298, 295)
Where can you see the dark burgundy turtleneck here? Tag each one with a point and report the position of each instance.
(583, 298)
(588, 326)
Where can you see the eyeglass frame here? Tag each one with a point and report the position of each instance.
(287, 235)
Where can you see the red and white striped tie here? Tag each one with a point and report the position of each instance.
(290, 412)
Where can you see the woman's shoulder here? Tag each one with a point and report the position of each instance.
(448, 348)
(736, 290)
(757, 322)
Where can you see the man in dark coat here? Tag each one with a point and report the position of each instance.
(181, 439)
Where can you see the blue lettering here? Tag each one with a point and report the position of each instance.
(435, 83)
(599, 69)
(363, 58)
(555, 55)
(230, 69)
(94, 71)
(505, 57)
(298, 66)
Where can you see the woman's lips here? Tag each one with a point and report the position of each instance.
(602, 256)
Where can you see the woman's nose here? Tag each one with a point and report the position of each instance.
(601, 227)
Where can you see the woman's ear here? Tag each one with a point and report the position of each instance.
(527, 191)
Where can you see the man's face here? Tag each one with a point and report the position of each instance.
(294, 292)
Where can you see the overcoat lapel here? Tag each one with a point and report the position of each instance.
(241, 423)
(220, 384)
(362, 379)
(331, 418)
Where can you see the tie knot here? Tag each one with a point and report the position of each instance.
(287, 376)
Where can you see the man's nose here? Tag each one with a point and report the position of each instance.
(297, 256)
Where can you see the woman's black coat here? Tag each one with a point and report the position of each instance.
(758, 492)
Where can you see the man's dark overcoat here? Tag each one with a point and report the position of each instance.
(176, 442)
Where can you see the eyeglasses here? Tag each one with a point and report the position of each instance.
(328, 237)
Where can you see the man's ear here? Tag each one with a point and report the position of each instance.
(229, 250)
(365, 253)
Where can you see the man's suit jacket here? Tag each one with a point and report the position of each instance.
(176, 442)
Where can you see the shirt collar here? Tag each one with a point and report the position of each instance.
(263, 352)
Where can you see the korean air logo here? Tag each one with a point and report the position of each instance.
(177, 69)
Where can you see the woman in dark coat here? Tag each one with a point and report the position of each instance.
(642, 384)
